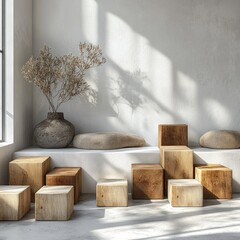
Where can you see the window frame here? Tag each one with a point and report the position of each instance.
(2, 83)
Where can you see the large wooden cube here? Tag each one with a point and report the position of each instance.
(216, 180)
(172, 134)
(147, 181)
(112, 193)
(29, 171)
(185, 193)
(54, 203)
(177, 161)
(66, 176)
(15, 202)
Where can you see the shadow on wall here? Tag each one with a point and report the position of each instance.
(128, 89)
(200, 39)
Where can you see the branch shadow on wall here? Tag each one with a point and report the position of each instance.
(198, 38)
(127, 89)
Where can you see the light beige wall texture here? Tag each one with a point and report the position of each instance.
(19, 93)
(168, 61)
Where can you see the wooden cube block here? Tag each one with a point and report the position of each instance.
(216, 180)
(174, 134)
(15, 202)
(66, 176)
(177, 161)
(147, 181)
(112, 193)
(29, 171)
(198, 165)
(54, 203)
(185, 193)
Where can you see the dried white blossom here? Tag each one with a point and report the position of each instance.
(62, 78)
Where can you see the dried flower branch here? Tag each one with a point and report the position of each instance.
(62, 78)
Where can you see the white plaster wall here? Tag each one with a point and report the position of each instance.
(18, 92)
(168, 61)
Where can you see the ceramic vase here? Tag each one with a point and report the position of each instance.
(54, 132)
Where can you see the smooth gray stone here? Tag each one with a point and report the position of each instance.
(224, 139)
(108, 140)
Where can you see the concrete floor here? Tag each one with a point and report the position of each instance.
(144, 220)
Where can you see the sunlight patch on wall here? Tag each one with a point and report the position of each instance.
(186, 85)
(161, 75)
(89, 22)
(186, 94)
(217, 113)
(119, 42)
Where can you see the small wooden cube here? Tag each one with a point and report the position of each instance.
(29, 171)
(173, 134)
(185, 193)
(147, 181)
(112, 193)
(66, 176)
(177, 161)
(15, 202)
(54, 203)
(216, 180)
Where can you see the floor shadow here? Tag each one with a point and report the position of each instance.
(211, 202)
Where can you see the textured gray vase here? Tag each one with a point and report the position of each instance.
(54, 132)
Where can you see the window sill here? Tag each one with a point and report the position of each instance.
(4, 144)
